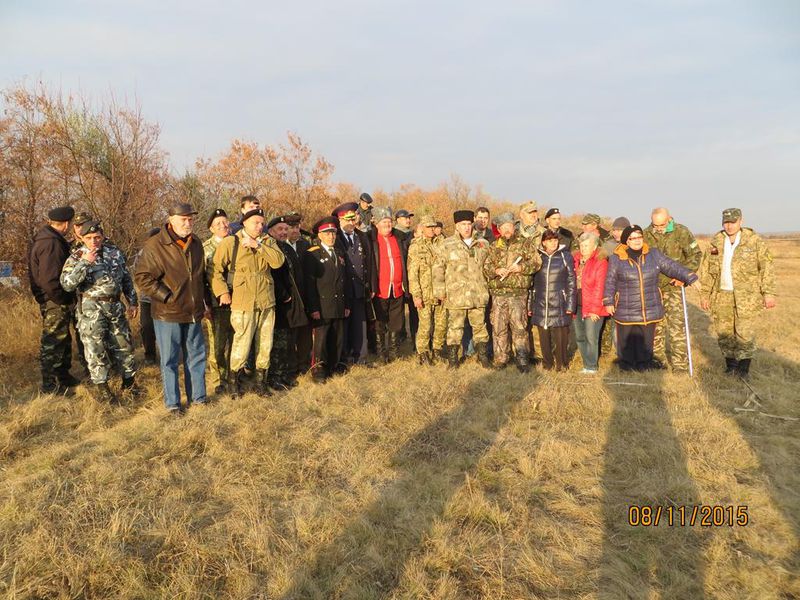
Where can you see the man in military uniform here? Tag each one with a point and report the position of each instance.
(218, 328)
(591, 224)
(252, 301)
(432, 314)
(437, 231)
(402, 219)
(528, 224)
(290, 310)
(328, 304)
(736, 275)
(100, 275)
(483, 225)
(459, 284)
(365, 212)
(354, 246)
(509, 266)
(46, 258)
(552, 219)
(676, 242)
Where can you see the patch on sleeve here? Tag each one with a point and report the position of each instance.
(693, 244)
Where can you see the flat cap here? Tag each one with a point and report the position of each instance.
(620, 223)
(529, 207)
(91, 227)
(551, 212)
(325, 224)
(346, 211)
(403, 213)
(218, 212)
(61, 213)
(182, 209)
(365, 197)
(590, 218)
(256, 212)
(463, 215)
(729, 215)
(503, 218)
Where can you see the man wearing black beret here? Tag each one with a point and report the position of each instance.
(49, 251)
(552, 220)
(219, 329)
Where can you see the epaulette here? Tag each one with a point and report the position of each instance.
(313, 248)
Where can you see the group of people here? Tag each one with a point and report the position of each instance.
(279, 301)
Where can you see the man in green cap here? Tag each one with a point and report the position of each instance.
(591, 224)
(528, 224)
(678, 243)
(432, 314)
(737, 279)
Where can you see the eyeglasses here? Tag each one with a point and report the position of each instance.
(635, 237)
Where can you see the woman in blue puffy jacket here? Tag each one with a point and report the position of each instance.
(632, 296)
(554, 300)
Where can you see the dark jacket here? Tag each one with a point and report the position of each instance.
(49, 251)
(174, 278)
(554, 290)
(290, 309)
(565, 238)
(403, 242)
(632, 285)
(358, 263)
(325, 283)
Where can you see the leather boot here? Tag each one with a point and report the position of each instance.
(102, 393)
(452, 356)
(238, 384)
(262, 388)
(129, 385)
(731, 365)
(382, 347)
(482, 350)
(393, 345)
(743, 370)
(521, 360)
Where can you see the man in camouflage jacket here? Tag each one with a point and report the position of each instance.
(459, 283)
(508, 268)
(100, 276)
(432, 314)
(676, 242)
(737, 281)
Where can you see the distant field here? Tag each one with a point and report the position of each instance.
(411, 482)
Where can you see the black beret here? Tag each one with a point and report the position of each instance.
(326, 223)
(365, 197)
(91, 227)
(463, 215)
(626, 233)
(217, 213)
(551, 212)
(277, 220)
(256, 212)
(181, 209)
(61, 213)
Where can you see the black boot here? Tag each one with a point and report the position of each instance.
(102, 393)
(521, 360)
(262, 388)
(482, 350)
(452, 356)
(66, 379)
(743, 370)
(393, 345)
(129, 385)
(441, 354)
(731, 365)
(238, 384)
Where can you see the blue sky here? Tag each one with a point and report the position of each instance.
(608, 107)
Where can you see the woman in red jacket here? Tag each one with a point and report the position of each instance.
(591, 265)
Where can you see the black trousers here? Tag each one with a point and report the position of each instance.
(355, 332)
(147, 331)
(389, 314)
(305, 347)
(328, 344)
(635, 345)
(554, 342)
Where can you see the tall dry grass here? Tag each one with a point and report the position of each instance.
(408, 482)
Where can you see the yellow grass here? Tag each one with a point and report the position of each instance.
(408, 482)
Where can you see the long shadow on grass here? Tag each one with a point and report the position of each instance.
(645, 466)
(367, 558)
(781, 468)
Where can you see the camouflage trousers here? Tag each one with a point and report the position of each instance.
(220, 339)
(670, 340)
(55, 355)
(252, 328)
(509, 324)
(432, 320)
(105, 333)
(735, 327)
(455, 324)
(283, 363)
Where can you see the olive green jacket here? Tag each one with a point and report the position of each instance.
(458, 273)
(679, 245)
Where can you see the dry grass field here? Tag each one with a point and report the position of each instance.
(410, 482)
